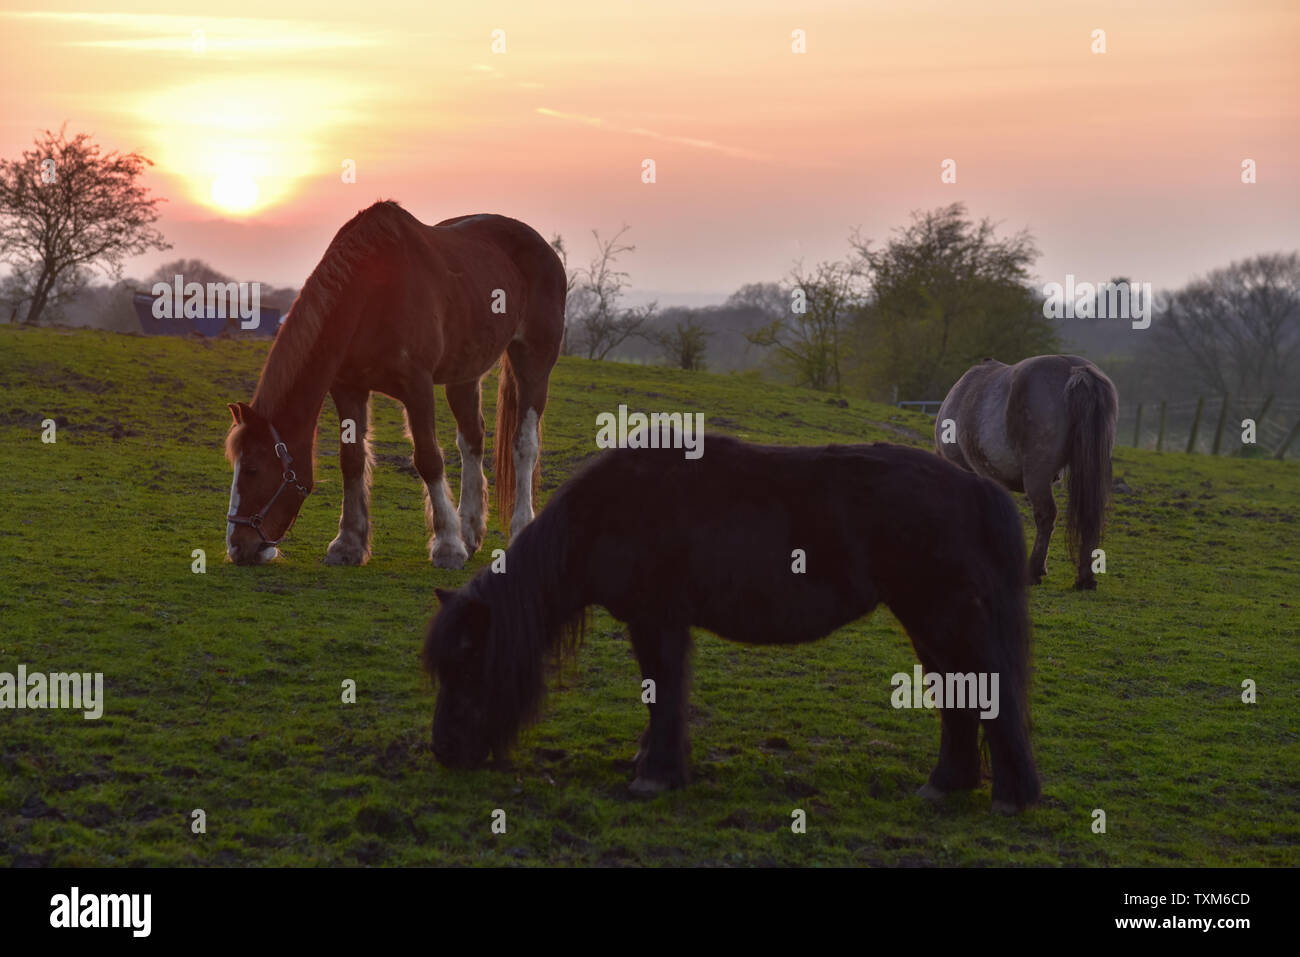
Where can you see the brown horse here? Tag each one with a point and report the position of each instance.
(1021, 425)
(398, 307)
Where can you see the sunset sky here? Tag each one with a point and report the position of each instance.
(1127, 162)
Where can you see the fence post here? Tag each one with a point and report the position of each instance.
(1160, 436)
(1218, 429)
(1281, 452)
(1259, 419)
(1137, 426)
(1196, 425)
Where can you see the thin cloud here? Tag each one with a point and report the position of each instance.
(599, 123)
(170, 33)
(575, 117)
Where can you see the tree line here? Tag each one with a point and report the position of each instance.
(899, 319)
(904, 319)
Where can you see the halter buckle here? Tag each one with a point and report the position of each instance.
(288, 479)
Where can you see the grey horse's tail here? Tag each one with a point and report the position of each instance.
(1093, 405)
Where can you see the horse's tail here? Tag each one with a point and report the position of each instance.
(503, 450)
(1015, 775)
(1092, 405)
(509, 419)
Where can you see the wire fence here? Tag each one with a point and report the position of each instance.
(1214, 425)
(1261, 426)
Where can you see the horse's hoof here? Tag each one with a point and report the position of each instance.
(338, 554)
(1005, 807)
(449, 554)
(1086, 585)
(647, 786)
(930, 793)
(473, 538)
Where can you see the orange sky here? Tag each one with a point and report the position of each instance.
(1126, 162)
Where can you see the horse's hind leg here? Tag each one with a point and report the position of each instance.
(531, 366)
(663, 654)
(1038, 487)
(446, 549)
(352, 544)
(466, 404)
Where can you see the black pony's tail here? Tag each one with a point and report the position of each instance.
(1092, 405)
(1007, 736)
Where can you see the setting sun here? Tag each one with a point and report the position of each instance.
(234, 192)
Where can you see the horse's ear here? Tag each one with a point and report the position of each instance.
(478, 614)
(475, 612)
(241, 412)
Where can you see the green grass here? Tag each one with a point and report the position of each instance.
(223, 689)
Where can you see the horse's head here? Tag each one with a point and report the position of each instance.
(454, 657)
(266, 492)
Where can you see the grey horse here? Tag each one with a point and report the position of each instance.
(1022, 425)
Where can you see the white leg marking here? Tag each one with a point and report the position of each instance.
(473, 523)
(234, 508)
(350, 545)
(447, 550)
(525, 460)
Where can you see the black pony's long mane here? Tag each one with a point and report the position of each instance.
(536, 618)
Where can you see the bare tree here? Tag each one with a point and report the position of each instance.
(15, 295)
(1238, 329)
(596, 323)
(65, 207)
(193, 270)
(557, 243)
(766, 298)
(809, 336)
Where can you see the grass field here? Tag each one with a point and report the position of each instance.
(223, 690)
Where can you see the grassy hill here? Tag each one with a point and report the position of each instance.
(223, 690)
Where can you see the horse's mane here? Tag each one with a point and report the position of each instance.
(372, 230)
(537, 616)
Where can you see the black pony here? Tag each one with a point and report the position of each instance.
(666, 543)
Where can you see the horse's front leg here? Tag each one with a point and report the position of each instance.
(446, 548)
(352, 544)
(663, 654)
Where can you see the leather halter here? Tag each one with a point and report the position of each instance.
(288, 479)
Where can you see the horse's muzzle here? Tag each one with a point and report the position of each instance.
(254, 554)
